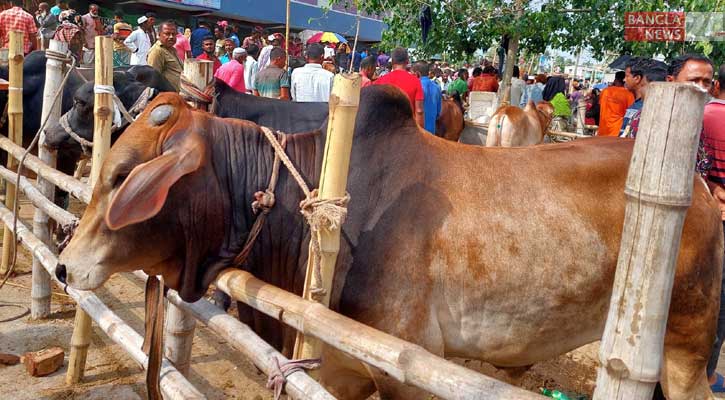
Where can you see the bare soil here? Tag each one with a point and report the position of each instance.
(217, 370)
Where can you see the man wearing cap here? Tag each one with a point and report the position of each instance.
(163, 57)
(264, 58)
(139, 42)
(232, 73)
(312, 83)
(254, 39)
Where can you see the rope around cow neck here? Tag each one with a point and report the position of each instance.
(327, 214)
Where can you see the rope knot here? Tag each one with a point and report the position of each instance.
(328, 214)
(278, 378)
(191, 92)
(263, 201)
(67, 231)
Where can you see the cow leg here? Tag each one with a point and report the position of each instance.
(344, 377)
(683, 375)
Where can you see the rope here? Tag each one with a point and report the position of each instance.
(15, 89)
(25, 312)
(278, 378)
(190, 92)
(16, 239)
(327, 214)
(65, 124)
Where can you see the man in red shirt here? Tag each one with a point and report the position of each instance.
(405, 81)
(207, 46)
(16, 19)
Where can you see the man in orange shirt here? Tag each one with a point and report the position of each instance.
(613, 104)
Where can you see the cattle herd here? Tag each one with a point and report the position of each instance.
(502, 255)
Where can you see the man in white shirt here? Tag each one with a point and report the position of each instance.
(251, 67)
(517, 87)
(139, 42)
(312, 83)
(264, 54)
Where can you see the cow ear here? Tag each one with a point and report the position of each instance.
(144, 192)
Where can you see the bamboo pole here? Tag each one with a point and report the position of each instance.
(40, 292)
(286, 37)
(76, 188)
(659, 192)
(173, 385)
(15, 130)
(38, 199)
(505, 91)
(344, 101)
(242, 337)
(180, 324)
(102, 119)
(403, 361)
(200, 73)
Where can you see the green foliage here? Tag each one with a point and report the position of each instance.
(462, 26)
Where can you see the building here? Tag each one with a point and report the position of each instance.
(304, 14)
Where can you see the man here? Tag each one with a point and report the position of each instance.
(311, 83)
(232, 34)
(197, 36)
(693, 68)
(232, 73)
(139, 42)
(517, 87)
(92, 27)
(431, 96)
(613, 104)
(163, 57)
(459, 85)
(121, 53)
(60, 5)
(273, 81)
(15, 18)
(228, 51)
(638, 74)
(254, 39)
(264, 54)
(251, 67)
(47, 23)
(295, 47)
(406, 81)
(383, 59)
(208, 45)
(182, 46)
(367, 70)
(487, 81)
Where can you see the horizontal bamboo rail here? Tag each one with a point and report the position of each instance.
(241, 337)
(173, 384)
(33, 194)
(406, 362)
(77, 189)
(550, 133)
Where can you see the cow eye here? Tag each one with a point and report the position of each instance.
(119, 180)
(161, 114)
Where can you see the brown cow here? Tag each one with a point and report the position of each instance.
(450, 123)
(511, 126)
(511, 268)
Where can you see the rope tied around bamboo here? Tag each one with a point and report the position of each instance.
(278, 378)
(190, 92)
(320, 214)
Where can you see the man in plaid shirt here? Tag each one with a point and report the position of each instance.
(16, 19)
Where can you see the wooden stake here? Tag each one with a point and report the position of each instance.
(659, 192)
(15, 130)
(403, 361)
(200, 73)
(102, 120)
(54, 71)
(286, 37)
(344, 101)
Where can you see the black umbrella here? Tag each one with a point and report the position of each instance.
(620, 62)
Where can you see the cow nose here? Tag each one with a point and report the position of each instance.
(60, 272)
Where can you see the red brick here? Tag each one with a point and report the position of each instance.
(43, 362)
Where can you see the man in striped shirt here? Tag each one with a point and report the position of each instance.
(312, 83)
(17, 19)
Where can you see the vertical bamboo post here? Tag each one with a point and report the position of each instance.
(40, 292)
(581, 115)
(200, 73)
(102, 120)
(180, 324)
(286, 37)
(344, 102)
(659, 191)
(15, 130)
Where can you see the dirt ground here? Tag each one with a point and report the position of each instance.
(217, 370)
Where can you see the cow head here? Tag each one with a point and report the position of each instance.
(142, 205)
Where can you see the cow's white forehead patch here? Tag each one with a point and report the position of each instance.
(161, 114)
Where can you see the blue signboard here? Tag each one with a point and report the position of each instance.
(213, 4)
